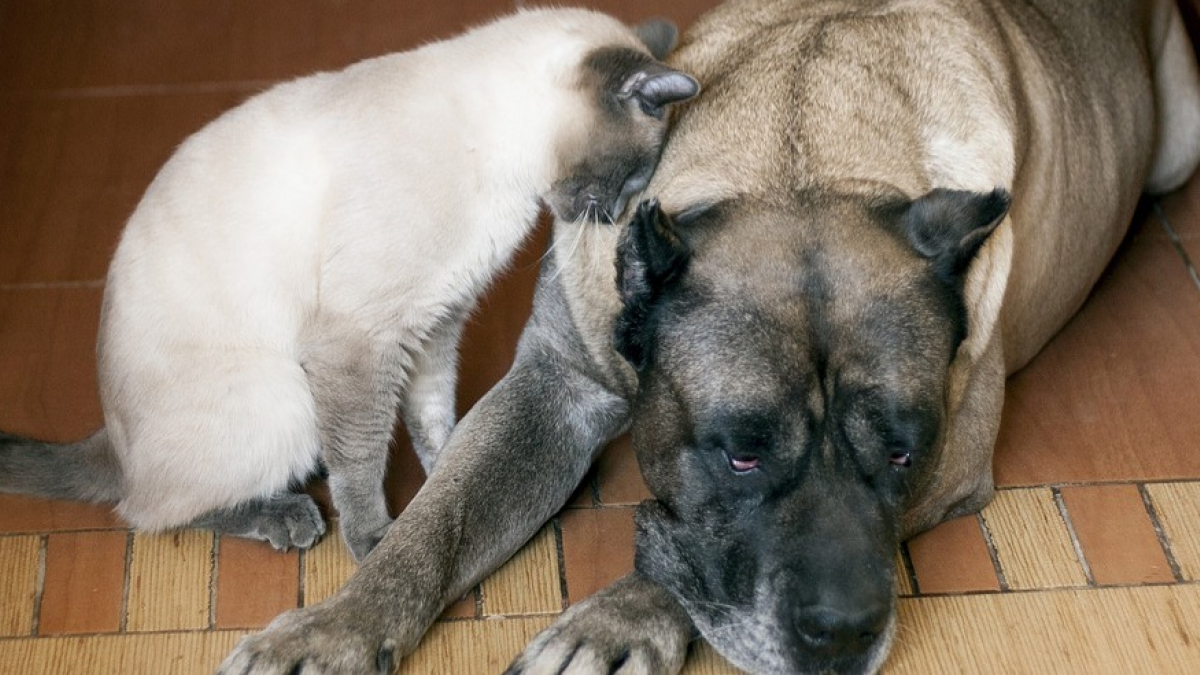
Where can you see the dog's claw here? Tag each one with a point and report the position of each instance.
(631, 627)
(321, 639)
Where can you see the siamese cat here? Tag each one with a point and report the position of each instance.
(302, 267)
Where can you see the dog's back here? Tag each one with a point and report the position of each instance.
(910, 95)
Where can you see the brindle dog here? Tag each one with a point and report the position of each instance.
(876, 211)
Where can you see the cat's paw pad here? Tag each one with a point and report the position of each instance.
(291, 523)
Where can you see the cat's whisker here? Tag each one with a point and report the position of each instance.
(580, 221)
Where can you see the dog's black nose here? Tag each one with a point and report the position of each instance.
(832, 632)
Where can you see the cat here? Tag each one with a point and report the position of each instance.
(301, 268)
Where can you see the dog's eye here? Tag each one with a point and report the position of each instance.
(742, 463)
(900, 457)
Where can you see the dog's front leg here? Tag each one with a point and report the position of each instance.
(633, 626)
(509, 465)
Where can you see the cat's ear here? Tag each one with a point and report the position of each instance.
(650, 258)
(659, 36)
(654, 86)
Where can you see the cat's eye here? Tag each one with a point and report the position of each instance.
(742, 463)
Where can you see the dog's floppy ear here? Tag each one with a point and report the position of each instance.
(949, 226)
(650, 256)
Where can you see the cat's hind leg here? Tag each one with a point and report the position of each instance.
(286, 520)
(429, 400)
(355, 383)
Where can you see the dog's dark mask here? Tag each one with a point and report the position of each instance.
(792, 359)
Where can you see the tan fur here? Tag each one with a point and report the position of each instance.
(994, 111)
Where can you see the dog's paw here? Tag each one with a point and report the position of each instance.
(630, 628)
(323, 639)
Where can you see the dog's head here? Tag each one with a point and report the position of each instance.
(792, 360)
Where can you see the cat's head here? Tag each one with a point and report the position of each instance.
(616, 148)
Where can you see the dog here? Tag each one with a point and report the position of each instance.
(876, 211)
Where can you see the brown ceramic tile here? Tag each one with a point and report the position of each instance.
(1182, 209)
(84, 583)
(1113, 396)
(47, 355)
(29, 514)
(597, 548)
(619, 478)
(170, 576)
(19, 558)
(953, 558)
(528, 583)
(1116, 535)
(466, 607)
(254, 583)
(682, 12)
(73, 169)
(1033, 544)
(1178, 509)
(96, 43)
(404, 475)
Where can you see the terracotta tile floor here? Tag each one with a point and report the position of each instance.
(1087, 561)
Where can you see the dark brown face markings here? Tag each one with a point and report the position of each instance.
(606, 71)
(623, 140)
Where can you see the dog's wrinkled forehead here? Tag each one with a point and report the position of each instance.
(785, 294)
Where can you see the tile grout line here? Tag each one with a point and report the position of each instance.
(1058, 589)
(213, 580)
(202, 631)
(1095, 483)
(993, 552)
(39, 585)
(1175, 241)
(119, 90)
(1163, 540)
(563, 597)
(123, 625)
(909, 569)
(82, 530)
(1066, 517)
(51, 285)
(301, 568)
(477, 597)
(128, 636)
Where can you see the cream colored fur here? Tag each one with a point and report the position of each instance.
(380, 200)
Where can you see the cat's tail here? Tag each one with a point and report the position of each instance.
(83, 471)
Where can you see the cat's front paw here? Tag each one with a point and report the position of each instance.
(290, 521)
(331, 638)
